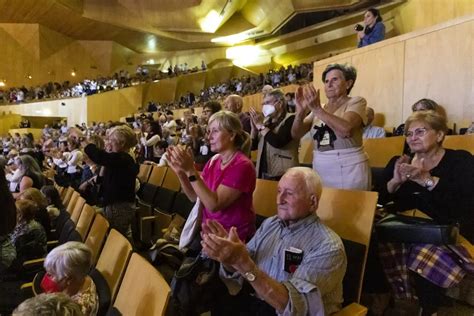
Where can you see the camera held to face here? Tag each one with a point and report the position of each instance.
(358, 27)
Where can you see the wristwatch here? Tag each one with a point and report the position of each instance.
(250, 275)
(429, 182)
(192, 178)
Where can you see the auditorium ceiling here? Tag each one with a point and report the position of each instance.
(147, 26)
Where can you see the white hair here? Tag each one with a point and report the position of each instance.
(311, 178)
(70, 260)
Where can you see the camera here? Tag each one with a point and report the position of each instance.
(358, 27)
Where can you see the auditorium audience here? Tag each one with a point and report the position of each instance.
(371, 131)
(67, 267)
(374, 30)
(272, 136)
(310, 283)
(336, 128)
(438, 182)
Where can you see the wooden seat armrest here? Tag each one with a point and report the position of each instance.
(34, 263)
(352, 309)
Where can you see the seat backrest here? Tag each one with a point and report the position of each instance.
(171, 181)
(182, 205)
(381, 150)
(68, 227)
(85, 220)
(157, 175)
(60, 220)
(264, 197)
(350, 214)
(144, 172)
(465, 142)
(150, 290)
(72, 201)
(77, 210)
(67, 195)
(113, 260)
(96, 236)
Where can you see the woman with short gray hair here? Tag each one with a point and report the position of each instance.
(336, 127)
(67, 267)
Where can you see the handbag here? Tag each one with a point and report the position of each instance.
(416, 230)
(194, 285)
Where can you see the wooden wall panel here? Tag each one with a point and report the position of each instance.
(380, 80)
(8, 122)
(193, 82)
(162, 91)
(113, 105)
(439, 66)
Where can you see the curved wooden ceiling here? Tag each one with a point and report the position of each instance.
(158, 25)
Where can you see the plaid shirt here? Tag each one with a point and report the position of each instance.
(445, 266)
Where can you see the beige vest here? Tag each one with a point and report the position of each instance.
(278, 159)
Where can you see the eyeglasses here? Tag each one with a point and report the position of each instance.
(419, 132)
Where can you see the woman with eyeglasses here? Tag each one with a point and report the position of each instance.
(438, 182)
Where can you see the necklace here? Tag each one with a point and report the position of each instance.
(223, 163)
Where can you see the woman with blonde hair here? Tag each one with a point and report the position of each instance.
(28, 236)
(41, 216)
(226, 184)
(117, 189)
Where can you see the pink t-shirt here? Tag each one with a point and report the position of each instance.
(240, 175)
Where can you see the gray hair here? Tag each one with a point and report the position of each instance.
(70, 260)
(52, 304)
(311, 179)
(28, 163)
(349, 73)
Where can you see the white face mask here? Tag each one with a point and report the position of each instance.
(268, 109)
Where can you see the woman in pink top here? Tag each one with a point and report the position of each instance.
(226, 185)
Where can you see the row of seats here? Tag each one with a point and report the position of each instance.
(349, 213)
(117, 270)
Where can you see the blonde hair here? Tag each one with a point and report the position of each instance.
(125, 136)
(52, 304)
(434, 120)
(35, 195)
(230, 121)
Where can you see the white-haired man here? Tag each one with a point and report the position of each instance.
(294, 264)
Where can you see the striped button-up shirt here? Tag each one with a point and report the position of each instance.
(315, 287)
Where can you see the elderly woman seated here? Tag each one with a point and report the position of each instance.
(67, 268)
(438, 182)
(28, 236)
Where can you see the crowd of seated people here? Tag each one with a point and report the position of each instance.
(101, 161)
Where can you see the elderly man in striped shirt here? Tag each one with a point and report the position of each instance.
(294, 265)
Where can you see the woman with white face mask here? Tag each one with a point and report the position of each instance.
(271, 135)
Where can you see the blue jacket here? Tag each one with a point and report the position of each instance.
(377, 35)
